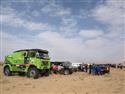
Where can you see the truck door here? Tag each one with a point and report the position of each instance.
(18, 59)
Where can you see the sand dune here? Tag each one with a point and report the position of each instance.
(77, 83)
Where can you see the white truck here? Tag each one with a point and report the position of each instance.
(76, 66)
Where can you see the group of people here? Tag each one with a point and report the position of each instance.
(96, 69)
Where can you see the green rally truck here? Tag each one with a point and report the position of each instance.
(31, 62)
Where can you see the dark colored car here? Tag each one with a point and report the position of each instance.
(62, 67)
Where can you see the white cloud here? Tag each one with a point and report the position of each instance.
(69, 22)
(91, 33)
(10, 18)
(62, 48)
(36, 26)
(74, 49)
(69, 27)
(60, 43)
(112, 12)
(97, 43)
(55, 10)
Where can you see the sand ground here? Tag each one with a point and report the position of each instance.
(77, 83)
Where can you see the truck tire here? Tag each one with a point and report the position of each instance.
(33, 73)
(66, 72)
(7, 71)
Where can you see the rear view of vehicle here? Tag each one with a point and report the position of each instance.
(62, 67)
(31, 62)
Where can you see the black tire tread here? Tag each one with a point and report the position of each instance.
(36, 70)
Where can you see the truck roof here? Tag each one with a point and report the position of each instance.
(37, 50)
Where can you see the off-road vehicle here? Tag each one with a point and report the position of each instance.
(62, 67)
(32, 62)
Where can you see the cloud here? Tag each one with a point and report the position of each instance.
(10, 43)
(111, 13)
(90, 33)
(60, 43)
(63, 48)
(11, 20)
(69, 21)
(15, 21)
(75, 50)
(10, 17)
(55, 10)
(97, 43)
(36, 26)
(68, 27)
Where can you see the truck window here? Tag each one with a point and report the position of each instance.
(43, 55)
(31, 54)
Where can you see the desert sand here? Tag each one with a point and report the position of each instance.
(77, 83)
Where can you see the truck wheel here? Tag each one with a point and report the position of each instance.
(33, 73)
(66, 72)
(7, 71)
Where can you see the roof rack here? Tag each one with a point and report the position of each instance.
(37, 50)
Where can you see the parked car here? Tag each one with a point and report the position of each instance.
(120, 65)
(83, 67)
(99, 69)
(113, 65)
(76, 66)
(31, 62)
(105, 68)
(62, 67)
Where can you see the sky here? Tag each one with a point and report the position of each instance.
(71, 30)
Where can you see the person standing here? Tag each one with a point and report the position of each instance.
(86, 68)
(90, 68)
(94, 69)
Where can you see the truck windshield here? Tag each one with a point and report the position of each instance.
(43, 55)
(31, 54)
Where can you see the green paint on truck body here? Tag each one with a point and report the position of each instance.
(21, 60)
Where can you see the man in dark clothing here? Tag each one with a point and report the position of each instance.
(94, 69)
(90, 68)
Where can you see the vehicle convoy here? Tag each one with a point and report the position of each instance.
(62, 67)
(31, 62)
